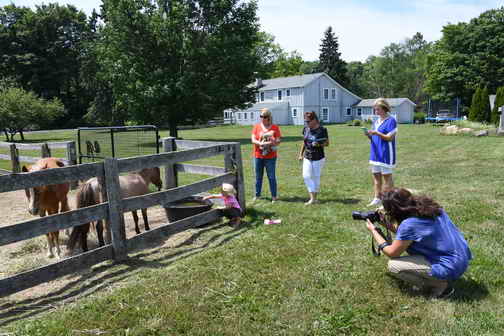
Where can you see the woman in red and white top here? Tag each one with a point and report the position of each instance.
(266, 138)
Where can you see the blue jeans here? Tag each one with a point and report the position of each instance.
(270, 165)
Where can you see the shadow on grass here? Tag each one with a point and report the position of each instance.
(466, 290)
(99, 277)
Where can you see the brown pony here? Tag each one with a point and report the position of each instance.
(46, 200)
(134, 184)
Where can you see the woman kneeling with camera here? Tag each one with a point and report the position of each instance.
(438, 252)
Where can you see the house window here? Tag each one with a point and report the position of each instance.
(349, 111)
(279, 94)
(257, 98)
(239, 116)
(325, 114)
(359, 111)
(326, 94)
(333, 94)
(287, 93)
(252, 115)
(262, 96)
(294, 113)
(245, 115)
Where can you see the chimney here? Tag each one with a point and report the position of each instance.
(258, 82)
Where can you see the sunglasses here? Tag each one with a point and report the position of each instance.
(265, 117)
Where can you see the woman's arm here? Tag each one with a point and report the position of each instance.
(300, 156)
(395, 249)
(254, 140)
(386, 137)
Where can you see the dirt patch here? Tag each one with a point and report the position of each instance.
(30, 254)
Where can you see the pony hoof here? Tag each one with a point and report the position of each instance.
(50, 255)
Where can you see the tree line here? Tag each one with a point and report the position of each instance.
(169, 62)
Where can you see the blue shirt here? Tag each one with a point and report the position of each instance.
(383, 153)
(440, 242)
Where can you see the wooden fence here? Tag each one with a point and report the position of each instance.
(112, 211)
(45, 151)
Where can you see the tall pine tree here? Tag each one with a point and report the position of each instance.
(330, 60)
(499, 101)
(474, 111)
(485, 106)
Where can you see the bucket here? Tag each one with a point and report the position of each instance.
(186, 207)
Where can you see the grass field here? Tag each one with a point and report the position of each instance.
(314, 273)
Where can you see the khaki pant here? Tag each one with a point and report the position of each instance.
(414, 270)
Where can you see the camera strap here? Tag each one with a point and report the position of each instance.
(388, 238)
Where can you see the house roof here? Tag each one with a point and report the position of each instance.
(270, 106)
(393, 102)
(289, 82)
(492, 101)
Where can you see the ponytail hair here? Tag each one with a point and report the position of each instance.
(400, 204)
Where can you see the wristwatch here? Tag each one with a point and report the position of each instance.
(383, 245)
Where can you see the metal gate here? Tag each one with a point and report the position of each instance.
(97, 143)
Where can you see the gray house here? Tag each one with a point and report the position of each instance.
(289, 97)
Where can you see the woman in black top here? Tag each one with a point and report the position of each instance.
(312, 153)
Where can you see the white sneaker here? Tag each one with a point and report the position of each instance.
(374, 202)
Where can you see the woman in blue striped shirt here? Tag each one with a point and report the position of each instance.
(382, 156)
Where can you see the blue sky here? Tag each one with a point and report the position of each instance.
(363, 27)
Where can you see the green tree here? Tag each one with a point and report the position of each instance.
(309, 67)
(41, 49)
(20, 109)
(288, 65)
(468, 55)
(356, 72)
(499, 101)
(330, 60)
(180, 60)
(268, 53)
(485, 106)
(475, 111)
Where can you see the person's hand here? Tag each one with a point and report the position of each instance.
(300, 157)
(370, 226)
(372, 132)
(315, 144)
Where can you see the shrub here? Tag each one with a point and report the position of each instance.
(419, 117)
(356, 122)
(349, 123)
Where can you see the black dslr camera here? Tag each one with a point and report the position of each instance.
(373, 216)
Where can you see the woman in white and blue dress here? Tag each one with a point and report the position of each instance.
(382, 156)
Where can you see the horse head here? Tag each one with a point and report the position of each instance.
(152, 175)
(32, 195)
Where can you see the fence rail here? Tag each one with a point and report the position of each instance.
(113, 209)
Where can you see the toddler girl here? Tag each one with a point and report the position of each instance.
(232, 210)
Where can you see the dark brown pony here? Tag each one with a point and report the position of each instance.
(134, 184)
(48, 200)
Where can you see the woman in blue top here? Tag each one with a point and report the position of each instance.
(438, 252)
(383, 149)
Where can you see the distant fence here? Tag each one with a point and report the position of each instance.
(112, 210)
(45, 151)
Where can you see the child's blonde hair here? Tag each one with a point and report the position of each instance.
(228, 188)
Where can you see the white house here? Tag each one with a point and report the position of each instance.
(402, 109)
(289, 97)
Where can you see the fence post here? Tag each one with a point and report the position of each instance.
(46, 151)
(116, 216)
(71, 154)
(228, 158)
(171, 176)
(14, 158)
(240, 183)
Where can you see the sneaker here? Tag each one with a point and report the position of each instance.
(375, 202)
(274, 199)
(446, 293)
